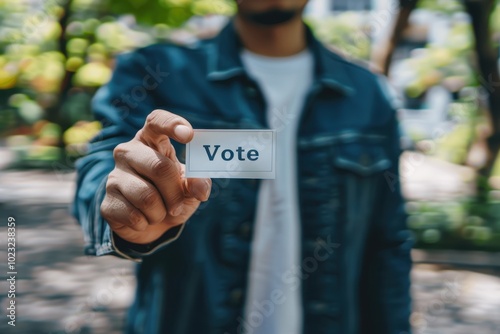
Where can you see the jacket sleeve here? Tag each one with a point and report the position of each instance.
(385, 292)
(122, 107)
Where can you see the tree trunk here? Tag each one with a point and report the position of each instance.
(406, 7)
(487, 64)
(54, 112)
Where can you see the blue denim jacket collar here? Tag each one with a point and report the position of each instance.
(224, 62)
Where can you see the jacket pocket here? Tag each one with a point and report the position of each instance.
(360, 165)
(360, 157)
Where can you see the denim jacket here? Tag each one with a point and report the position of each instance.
(355, 263)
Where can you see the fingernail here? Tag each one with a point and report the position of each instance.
(177, 211)
(182, 132)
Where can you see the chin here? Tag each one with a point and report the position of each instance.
(265, 5)
(270, 12)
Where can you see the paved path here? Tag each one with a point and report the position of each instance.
(448, 300)
(59, 290)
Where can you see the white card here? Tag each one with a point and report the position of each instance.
(239, 154)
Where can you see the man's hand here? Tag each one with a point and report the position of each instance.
(147, 193)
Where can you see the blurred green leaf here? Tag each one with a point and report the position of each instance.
(92, 75)
(30, 111)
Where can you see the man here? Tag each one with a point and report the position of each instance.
(322, 248)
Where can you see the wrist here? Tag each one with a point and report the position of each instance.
(139, 250)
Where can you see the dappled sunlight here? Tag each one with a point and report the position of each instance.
(58, 288)
(448, 300)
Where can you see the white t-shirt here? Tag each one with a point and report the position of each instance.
(273, 305)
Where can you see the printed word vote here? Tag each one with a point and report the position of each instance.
(228, 154)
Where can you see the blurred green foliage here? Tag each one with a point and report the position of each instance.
(348, 33)
(442, 6)
(54, 54)
(171, 12)
(462, 224)
(447, 63)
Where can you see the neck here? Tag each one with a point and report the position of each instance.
(281, 40)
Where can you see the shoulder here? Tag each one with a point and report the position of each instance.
(356, 68)
(166, 54)
(172, 50)
(365, 80)
(170, 47)
(373, 96)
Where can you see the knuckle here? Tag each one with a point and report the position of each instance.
(163, 169)
(117, 226)
(105, 208)
(162, 119)
(159, 118)
(120, 152)
(176, 198)
(148, 198)
(157, 218)
(152, 118)
(135, 218)
(111, 183)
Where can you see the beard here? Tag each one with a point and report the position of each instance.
(272, 17)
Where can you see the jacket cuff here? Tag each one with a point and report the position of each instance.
(136, 252)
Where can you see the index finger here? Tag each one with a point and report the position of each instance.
(161, 123)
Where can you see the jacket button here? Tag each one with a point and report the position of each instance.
(244, 230)
(236, 297)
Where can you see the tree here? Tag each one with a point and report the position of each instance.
(173, 13)
(406, 7)
(486, 62)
